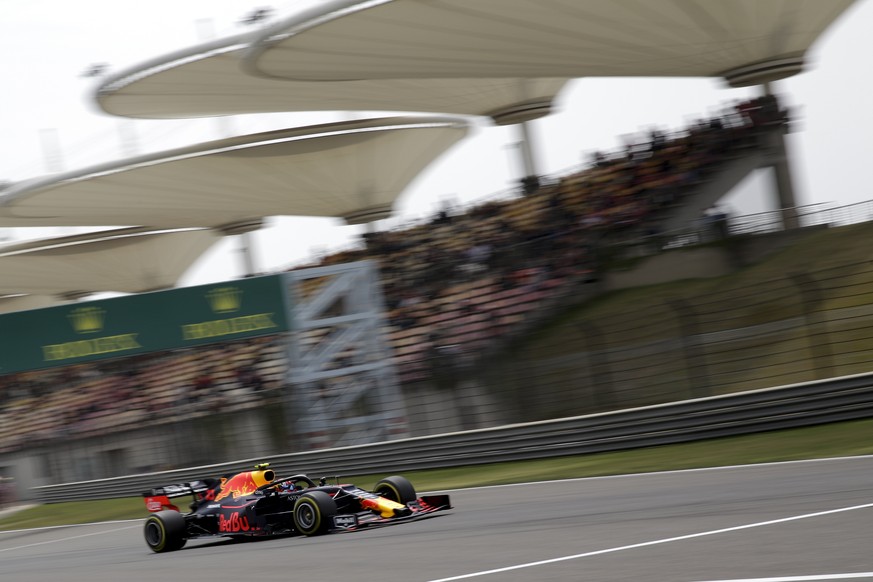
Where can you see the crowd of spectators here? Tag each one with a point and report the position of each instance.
(464, 280)
(99, 397)
(454, 286)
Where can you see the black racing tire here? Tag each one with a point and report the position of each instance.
(313, 513)
(396, 488)
(165, 531)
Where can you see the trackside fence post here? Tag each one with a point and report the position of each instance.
(816, 325)
(598, 364)
(695, 357)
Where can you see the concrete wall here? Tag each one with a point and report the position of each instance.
(204, 440)
(701, 262)
(690, 263)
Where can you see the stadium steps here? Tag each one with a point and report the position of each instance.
(718, 184)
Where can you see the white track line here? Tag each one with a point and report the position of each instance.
(667, 472)
(855, 575)
(652, 543)
(51, 527)
(66, 539)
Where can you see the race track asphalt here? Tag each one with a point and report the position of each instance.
(790, 522)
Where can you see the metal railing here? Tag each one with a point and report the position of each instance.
(785, 407)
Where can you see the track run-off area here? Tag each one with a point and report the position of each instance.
(785, 522)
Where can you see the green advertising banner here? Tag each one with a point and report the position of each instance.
(136, 324)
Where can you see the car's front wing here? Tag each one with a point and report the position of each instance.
(423, 507)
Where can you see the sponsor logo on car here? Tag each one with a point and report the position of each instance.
(345, 521)
(234, 523)
(236, 486)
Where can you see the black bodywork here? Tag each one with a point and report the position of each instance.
(255, 504)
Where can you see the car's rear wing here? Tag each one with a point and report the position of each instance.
(158, 498)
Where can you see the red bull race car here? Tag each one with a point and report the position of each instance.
(257, 504)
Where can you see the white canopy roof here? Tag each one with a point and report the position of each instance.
(472, 57)
(353, 170)
(444, 39)
(18, 302)
(207, 80)
(127, 260)
(505, 59)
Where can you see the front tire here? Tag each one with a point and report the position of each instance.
(165, 531)
(396, 488)
(313, 513)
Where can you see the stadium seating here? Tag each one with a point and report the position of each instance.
(455, 287)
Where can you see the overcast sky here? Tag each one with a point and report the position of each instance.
(48, 121)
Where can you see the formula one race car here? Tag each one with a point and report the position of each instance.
(257, 504)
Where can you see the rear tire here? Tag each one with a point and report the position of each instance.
(313, 513)
(396, 488)
(165, 531)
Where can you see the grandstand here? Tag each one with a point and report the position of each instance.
(457, 290)
(460, 292)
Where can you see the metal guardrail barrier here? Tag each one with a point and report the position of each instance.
(792, 406)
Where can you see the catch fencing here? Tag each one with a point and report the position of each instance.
(770, 325)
